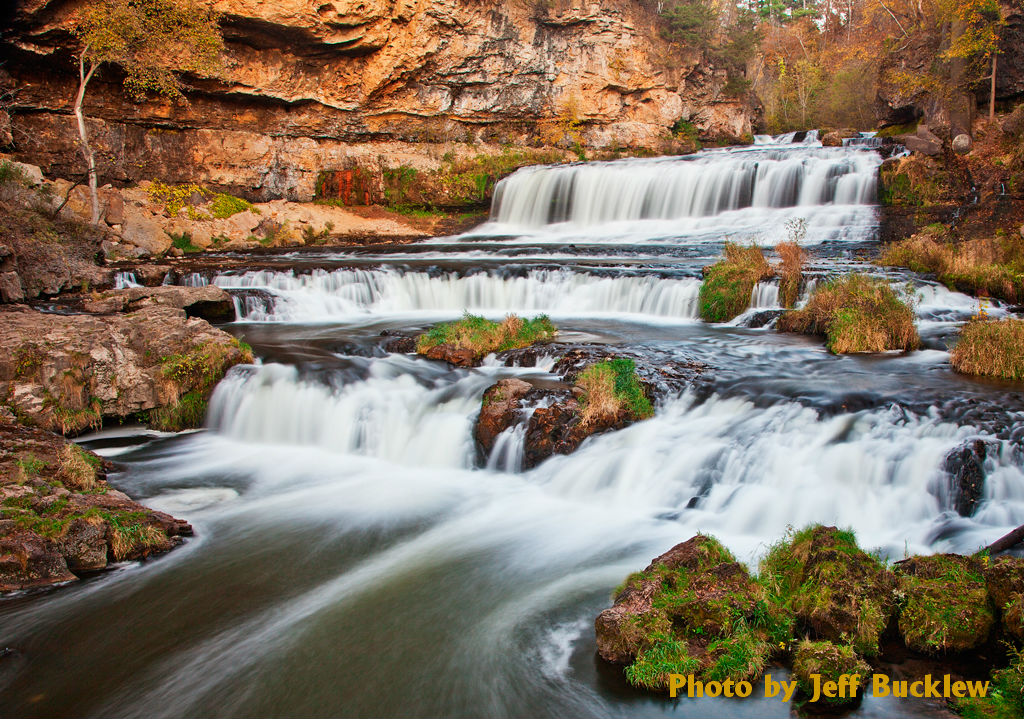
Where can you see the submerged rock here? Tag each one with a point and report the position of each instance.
(965, 467)
(59, 519)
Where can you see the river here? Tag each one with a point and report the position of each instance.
(351, 559)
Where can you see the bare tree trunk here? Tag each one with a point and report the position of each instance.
(1007, 541)
(87, 153)
(992, 95)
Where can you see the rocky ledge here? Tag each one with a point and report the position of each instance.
(820, 605)
(60, 520)
(70, 372)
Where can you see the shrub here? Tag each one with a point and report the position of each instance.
(790, 272)
(991, 349)
(729, 284)
(224, 205)
(483, 336)
(1006, 698)
(184, 242)
(856, 314)
(990, 266)
(611, 387)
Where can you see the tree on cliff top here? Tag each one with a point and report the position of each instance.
(153, 42)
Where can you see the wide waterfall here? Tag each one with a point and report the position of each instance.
(756, 184)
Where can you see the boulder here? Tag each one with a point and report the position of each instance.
(965, 467)
(10, 287)
(921, 145)
(946, 603)
(815, 663)
(144, 231)
(210, 303)
(61, 519)
(499, 411)
(838, 592)
(962, 144)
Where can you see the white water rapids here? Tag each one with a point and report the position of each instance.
(355, 557)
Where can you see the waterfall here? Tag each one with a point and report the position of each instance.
(760, 178)
(124, 280)
(340, 293)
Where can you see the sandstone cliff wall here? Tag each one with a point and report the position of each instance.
(335, 84)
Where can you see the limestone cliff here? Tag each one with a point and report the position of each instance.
(335, 84)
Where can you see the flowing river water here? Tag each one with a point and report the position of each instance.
(351, 557)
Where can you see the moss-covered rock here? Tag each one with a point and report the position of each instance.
(694, 610)
(946, 603)
(836, 591)
(816, 663)
(1004, 578)
(1005, 699)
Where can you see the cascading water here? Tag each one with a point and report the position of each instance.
(831, 188)
(350, 540)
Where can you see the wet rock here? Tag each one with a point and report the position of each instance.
(458, 356)
(210, 303)
(834, 138)
(559, 429)
(59, 519)
(838, 592)
(693, 607)
(69, 372)
(830, 662)
(922, 145)
(1005, 581)
(398, 342)
(499, 410)
(965, 467)
(946, 603)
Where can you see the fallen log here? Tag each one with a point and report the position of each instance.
(1007, 541)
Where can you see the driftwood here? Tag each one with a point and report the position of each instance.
(1007, 541)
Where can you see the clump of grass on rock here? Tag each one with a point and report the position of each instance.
(836, 591)
(829, 661)
(991, 349)
(855, 313)
(728, 284)
(470, 339)
(610, 389)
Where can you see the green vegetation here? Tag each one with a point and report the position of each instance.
(28, 359)
(129, 534)
(856, 314)
(843, 595)
(12, 174)
(1005, 699)
(184, 243)
(611, 388)
(946, 605)
(992, 266)
(312, 237)
(991, 349)
(729, 284)
(829, 661)
(482, 336)
(77, 468)
(700, 596)
(223, 205)
(915, 181)
(194, 374)
(35, 515)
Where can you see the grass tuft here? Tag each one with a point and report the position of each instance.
(610, 388)
(991, 349)
(856, 314)
(483, 336)
(729, 284)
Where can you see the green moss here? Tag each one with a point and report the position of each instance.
(830, 662)
(46, 522)
(895, 130)
(835, 590)
(1005, 699)
(729, 284)
(946, 603)
(30, 465)
(188, 412)
(195, 373)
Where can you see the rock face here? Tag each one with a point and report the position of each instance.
(67, 373)
(60, 519)
(310, 87)
(499, 410)
(209, 303)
